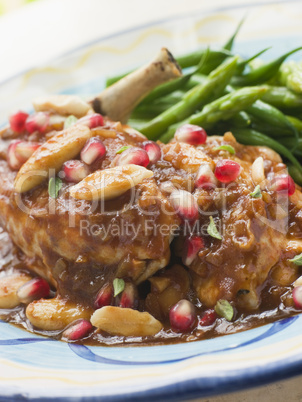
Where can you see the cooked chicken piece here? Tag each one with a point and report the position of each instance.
(78, 245)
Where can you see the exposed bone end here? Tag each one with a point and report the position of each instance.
(55, 314)
(120, 99)
(110, 183)
(51, 155)
(125, 322)
(63, 104)
(9, 286)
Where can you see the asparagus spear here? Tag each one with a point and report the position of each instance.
(220, 109)
(192, 100)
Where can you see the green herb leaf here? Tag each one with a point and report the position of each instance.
(256, 193)
(54, 186)
(123, 149)
(212, 230)
(297, 259)
(70, 121)
(228, 148)
(224, 309)
(118, 286)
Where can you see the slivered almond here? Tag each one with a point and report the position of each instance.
(62, 104)
(125, 322)
(103, 132)
(55, 314)
(9, 286)
(258, 175)
(65, 145)
(110, 183)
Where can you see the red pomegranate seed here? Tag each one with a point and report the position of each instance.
(297, 296)
(75, 171)
(24, 150)
(283, 183)
(104, 297)
(191, 134)
(191, 248)
(153, 150)
(185, 205)
(34, 289)
(205, 178)
(208, 318)
(135, 156)
(77, 330)
(94, 149)
(227, 170)
(17, 121)
(92, 120)
(182, 316)
(13, 162)
(128, 297)
(37, 122)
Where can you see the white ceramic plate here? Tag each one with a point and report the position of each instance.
(43, 369)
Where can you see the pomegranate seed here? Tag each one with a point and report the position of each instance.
(104, 297)
(191, 248)
(34, 289)
(283, 183)
(13, 162)
(24, 150)
(153, 150)
(185, 205)
(92, 120)
(191, 134)
(205, 178)
(17, 121)
(135, 156)
(75, 171)
(77, 330)
(297, 296)
(94, 149)
(182, 316)
(227, 170)
(37, 122)
(128, 297)
(208, 318)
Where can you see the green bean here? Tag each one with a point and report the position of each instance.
(263, 73)
(241, 120)
(253, 137)
(220, 109)
(192, 100)
(243, 63)
(282, 98)
(230, 42)
(296, 122)
(290, 75)
(295, 173)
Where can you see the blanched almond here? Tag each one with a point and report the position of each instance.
(258, 175)
(55, 314)
(62, 104)
(125, 322)
(110, 183)
(9, 286)
(51, 155)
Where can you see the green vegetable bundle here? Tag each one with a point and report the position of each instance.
(261, 103)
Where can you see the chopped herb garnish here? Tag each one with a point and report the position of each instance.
(224, 309)
(123, 149)
(118, 286)
(70, 121)
(228, 148)
(212, 230)
(297, 259)
(54, 186)
(256, 193)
